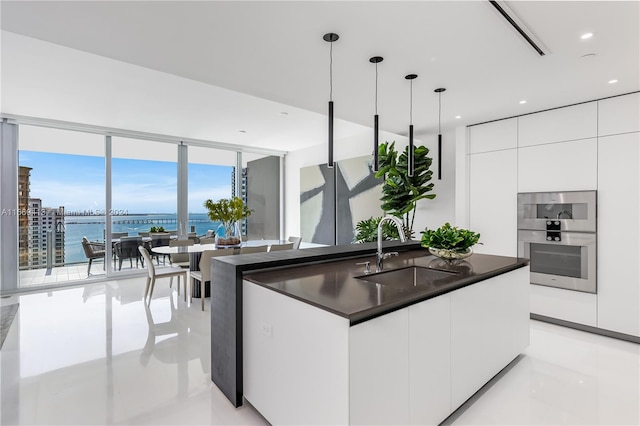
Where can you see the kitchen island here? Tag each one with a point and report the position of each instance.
(320, 341)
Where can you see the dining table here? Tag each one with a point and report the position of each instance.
(195, 254)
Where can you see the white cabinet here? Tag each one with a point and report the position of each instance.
(619, 233)
(489, 328)
(430, 361)
(619, 115)
(399, 367)
(559, 125)
(304, 365)
(493, 201)
(295, 359)
(566, 166)
(568, 305)
(501, 134)
(379, 370)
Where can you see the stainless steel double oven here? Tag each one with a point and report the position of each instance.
(557, 232)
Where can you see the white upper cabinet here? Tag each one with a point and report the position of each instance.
(566, 166)
(619, 115)
(502, 134)
(559, 125)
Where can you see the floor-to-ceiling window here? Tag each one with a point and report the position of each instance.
(143, 197)
(211, 176)
(81, 192)
(61, 201)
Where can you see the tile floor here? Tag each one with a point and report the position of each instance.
(96, 355)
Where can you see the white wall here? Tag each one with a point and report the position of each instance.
(432, 213)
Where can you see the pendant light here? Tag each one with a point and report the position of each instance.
(330, 38)
(375, 60)
(439, 92)
(410, 162)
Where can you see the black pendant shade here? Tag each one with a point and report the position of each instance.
(376, 122)
(439, 92)
(330, 38)
(330, 154)
(410, 159)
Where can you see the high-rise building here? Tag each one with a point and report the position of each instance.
(46, 235)
(24, 186)
(242, 195)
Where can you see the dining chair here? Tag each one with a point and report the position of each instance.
(280, 247)
(256, 249)
(180, 259)
(204, 274)
(159, 240)
(92, 250)
(127, 248)
(296, 242)
(115, 235)
(154, 273)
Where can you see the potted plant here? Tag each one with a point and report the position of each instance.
(367, 231)
(401, 192)
(449, 242)
(228, 211)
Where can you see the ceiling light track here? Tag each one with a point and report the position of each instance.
(519, 26)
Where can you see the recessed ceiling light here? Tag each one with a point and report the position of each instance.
(458, 117)
(284, 113)
(523, 101)
(588, 56)
(614, 81)
(586, 36)
(242, 131)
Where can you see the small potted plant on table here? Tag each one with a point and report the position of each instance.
(228, 211)
(449, 242)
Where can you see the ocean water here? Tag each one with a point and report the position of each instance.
(92, 227)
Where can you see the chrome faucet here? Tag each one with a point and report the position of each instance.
(380, 257)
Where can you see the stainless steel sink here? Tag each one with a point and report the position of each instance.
(412, 276)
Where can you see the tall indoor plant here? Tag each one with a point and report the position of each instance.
(401, 192)
(228, 211)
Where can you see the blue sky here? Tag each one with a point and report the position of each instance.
(138, 186)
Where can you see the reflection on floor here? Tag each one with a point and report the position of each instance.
(97, 355)
(65, 275)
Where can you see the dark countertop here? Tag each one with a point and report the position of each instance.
(335, 287)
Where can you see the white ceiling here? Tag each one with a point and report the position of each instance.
(275, 51)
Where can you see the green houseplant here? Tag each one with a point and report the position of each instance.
(449, 242)
(401, 192)
(227, 211)
(367, 231)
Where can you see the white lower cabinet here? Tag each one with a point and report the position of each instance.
(619, 233)
(429, 361)
(416, 365)
(379, 370)
(296, 359)
(489, 328)
(567, 305)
